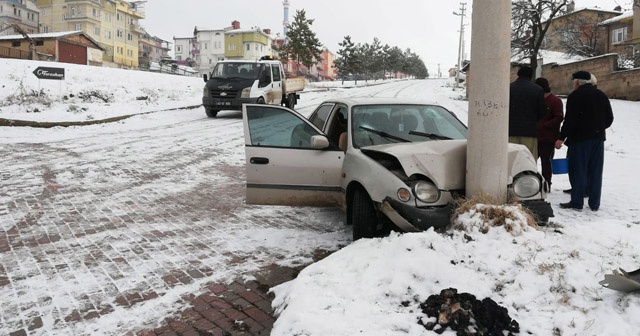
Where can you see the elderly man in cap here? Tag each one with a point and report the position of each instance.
(588, 114)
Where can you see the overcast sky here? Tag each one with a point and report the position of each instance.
(427, 27)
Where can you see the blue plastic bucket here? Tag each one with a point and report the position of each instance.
(559, 166)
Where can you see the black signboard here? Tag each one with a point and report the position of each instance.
(49, 73)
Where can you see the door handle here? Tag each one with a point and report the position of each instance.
(259, 160)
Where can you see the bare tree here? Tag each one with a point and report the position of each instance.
(581, 36)
(530, 21)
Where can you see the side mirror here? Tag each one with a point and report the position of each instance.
(204, 76)
(319, 142)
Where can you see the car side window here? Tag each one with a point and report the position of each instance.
(319, 118)
(274, 127)
(338, 125)
(275, 71)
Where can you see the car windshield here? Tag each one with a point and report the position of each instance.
(384, 124)
(248, 70)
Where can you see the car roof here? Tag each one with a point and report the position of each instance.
(380, 101)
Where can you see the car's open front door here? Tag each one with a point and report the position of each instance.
(288, 160)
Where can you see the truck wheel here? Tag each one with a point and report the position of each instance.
(211, 113)
(364, 215)
(260, 101)
(291, 101)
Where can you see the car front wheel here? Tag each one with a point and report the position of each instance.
(365, 216)
(211, 113)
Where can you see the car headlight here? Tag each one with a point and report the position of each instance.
(526, 185)
(426, 191)
(245, 92)
(205, 92)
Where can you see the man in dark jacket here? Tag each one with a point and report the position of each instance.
(588, 115)
(526, 107)
(548, 129)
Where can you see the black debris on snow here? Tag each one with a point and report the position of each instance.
(467, 315)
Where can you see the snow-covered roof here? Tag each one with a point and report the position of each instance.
(625, 15)
(43, 35)
(239, 31)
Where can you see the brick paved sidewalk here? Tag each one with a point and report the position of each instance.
(234, 309)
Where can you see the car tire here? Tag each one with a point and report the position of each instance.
(260, 100)
(211, 113)
(291, 101)
(365, 216)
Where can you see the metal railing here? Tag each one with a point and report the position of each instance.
(626, 62)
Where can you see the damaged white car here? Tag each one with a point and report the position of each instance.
(388, 162)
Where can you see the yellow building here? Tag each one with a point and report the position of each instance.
(246, 44)
(113, 23)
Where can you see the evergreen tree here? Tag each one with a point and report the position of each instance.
(302, 46)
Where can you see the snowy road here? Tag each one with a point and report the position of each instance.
(104, 228)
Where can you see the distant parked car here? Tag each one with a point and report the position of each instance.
(386, 162)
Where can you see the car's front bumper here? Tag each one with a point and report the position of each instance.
(227, 103)
(412, 219)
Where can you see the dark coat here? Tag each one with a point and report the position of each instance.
(526, 107)
(549, 126)
(588, 114)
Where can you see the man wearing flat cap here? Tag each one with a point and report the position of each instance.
(588, 114)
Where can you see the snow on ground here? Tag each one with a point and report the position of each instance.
(547, 279)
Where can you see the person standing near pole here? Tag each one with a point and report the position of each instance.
(588, 115)
(548, 129)
(526, 107)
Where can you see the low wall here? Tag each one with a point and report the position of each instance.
(623, 84)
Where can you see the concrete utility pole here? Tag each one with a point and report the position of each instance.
(488, 84)
(463, 9)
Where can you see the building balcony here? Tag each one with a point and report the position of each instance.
(136, 28)
(81, 17)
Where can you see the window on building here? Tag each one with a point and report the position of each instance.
(130, 37)
(73, 12)
(45, 29)
(620, 35)
(119, 33)
(248, 47)
(43, 12)
(15, 43)
(78, 26)
(130, 53)
(39, 43)
(179, 49)
(118, 17)
(107, 34)
(96, 31)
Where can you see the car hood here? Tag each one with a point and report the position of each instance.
(444, 161)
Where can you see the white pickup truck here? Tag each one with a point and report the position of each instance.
(236, 82)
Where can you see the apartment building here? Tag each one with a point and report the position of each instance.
(23, 13)
(151, 49)
(579, 32)
(210, 48)
(248, 44)
(206, 47)
(113, 23)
